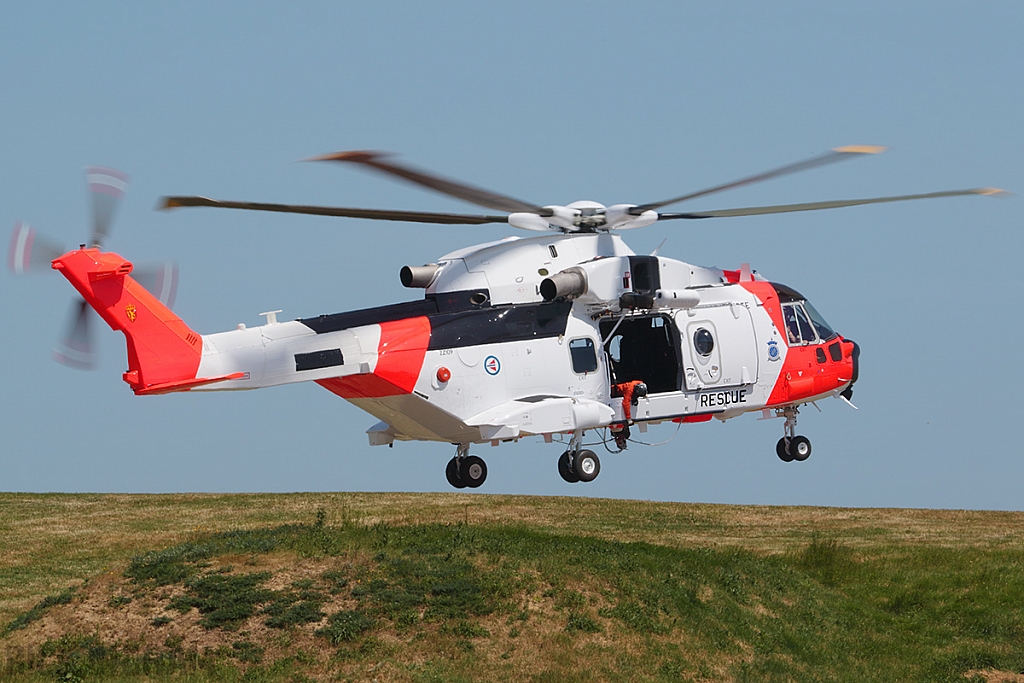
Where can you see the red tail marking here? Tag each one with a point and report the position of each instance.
(161, 347)
(400, 353)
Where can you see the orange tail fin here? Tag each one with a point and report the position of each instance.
(161, 347)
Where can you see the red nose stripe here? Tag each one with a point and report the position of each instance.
(400, 353)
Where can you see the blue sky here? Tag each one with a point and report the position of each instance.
(550, 102)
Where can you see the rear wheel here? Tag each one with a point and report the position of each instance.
(587, 465)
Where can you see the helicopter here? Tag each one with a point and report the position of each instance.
(555, 335)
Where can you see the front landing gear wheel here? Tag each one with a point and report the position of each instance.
(800, 448)
(474, 471)
(782, 449)
(565, 469)
(587, 465)
(452, 473)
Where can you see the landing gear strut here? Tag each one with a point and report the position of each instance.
(578, 465)
(465, 470)
(792, 446)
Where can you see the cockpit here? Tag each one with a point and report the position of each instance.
(804, 325)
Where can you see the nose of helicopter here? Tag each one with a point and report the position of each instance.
(855, 362)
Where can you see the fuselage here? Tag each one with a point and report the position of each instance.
(484, 357)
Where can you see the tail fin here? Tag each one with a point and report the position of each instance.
(162, 351)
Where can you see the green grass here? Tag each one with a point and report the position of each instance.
(519, 599)
(346, 626)
(37, 611)
(224, 601)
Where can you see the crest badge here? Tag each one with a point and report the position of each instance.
(773, 350)
(131, 312)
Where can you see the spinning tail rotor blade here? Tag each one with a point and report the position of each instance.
(76, 348)
(159, 279)
(373, 214)
(837, 154)
(107, 186)
(452, 188)
(814, 206)
(28, 251)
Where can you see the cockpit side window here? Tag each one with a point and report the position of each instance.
(798, 326)
(792, 327)
(807, 335)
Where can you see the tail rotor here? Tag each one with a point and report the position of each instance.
(76, 348)
(29, 252)
(106, 187)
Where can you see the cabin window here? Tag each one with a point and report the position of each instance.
(584, 355)
(703, 342)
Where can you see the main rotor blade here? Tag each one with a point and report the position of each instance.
(814, 206)
(76, 348)
(837, 154)
(373, 214)
(28, 251)
(107, 186)
(452, 188)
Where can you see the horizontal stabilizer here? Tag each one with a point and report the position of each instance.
(181, 385)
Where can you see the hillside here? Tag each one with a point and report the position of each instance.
(441, 587)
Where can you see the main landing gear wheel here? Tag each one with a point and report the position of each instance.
(584, 466)
(452, 473)
(587, 465)
(565, 469)
(474, 471)
(465, 470)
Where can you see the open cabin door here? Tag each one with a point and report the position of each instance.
(645, 348)
(719, 347)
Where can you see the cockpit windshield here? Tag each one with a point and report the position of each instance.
(804, 325)
(825, 331)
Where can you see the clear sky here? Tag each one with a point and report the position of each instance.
(549, 102)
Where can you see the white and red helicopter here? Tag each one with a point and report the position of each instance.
(553, 335)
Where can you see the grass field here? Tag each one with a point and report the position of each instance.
(439, 587)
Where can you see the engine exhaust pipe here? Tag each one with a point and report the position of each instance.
(419, 276)
(568, 284)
